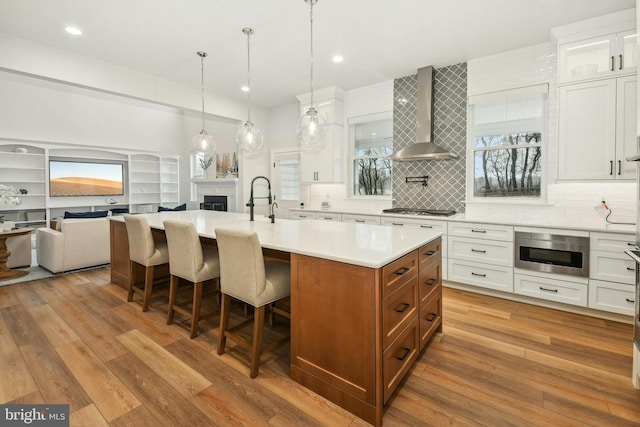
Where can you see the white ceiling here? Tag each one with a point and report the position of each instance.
(380, 39)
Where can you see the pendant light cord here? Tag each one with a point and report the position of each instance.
(202, 55)
(249, 31)
(311, 38)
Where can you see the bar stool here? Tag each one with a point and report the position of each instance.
(188, 261)
(145, 251)
(245, 275)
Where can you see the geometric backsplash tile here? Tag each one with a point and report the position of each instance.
(446, 189)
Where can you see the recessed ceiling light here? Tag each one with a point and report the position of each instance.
(337, 59)
(245, 88)
(73, 30)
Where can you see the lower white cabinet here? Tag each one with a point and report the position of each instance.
(612, 266)
(361, 219)
(479, 274)
(564, 291)
(486, 251)
(614, 297)
(329, 216)
(302, 215)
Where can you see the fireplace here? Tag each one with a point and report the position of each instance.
(214, 203)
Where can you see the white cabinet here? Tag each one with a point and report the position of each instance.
(597, 129)
(481, 255)
(546, 287)
(302, 215)
(325, 165)
(601, 56)
(611, 273)
(329, 216)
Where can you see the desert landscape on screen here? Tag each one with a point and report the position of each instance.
(79, 186)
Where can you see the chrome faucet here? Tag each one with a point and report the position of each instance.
(251, 203)
(273, 212)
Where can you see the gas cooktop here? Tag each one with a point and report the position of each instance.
(426, 212)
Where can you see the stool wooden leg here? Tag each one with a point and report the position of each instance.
(258, 330)
(224, 322)
(195, 310)
(148, 286)
(132, 280)
(173, 293)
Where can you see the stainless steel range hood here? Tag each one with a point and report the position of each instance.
(423, 149)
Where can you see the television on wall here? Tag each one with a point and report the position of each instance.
(85, 178)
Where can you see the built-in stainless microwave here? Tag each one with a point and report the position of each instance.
(552, 253)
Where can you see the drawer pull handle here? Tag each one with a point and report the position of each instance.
(432, 317)
(359, 220)
(426, 226)
(404, 307)
(402, 271)
(630, 300)
(328, 217)
(549, 290)
(431, 253)
(478, 231)
(630, 244)
(406, 353)
(631, 269)
(397, 223)
(478, 274)
(430, 282)
(481, 251)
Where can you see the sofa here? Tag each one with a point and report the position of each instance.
(77, 243)
(19, 248)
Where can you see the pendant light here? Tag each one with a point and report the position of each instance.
(312, 127)
(249, 137)
(203, 143)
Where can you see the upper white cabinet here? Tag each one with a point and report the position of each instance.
(597, 129)
(325, 165)
(602, 56)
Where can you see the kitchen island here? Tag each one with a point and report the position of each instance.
(365, 300)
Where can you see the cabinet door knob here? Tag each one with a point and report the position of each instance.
(619, 167)
(610, 167)
(403, 308)
(405, 354)
(621, 63)
(402, 271)
(612, 63)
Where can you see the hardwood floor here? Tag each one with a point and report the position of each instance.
(74, 339)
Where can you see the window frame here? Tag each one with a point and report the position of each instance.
(384, 115)
(541, 89)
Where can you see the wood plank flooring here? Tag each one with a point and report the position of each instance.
(74, 339)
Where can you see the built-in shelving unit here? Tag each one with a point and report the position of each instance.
(151, 180)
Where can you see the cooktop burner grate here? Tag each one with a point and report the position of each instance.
(426, 212)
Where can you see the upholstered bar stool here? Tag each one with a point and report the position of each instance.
(245, 275)
(147, 252)
(188, 261)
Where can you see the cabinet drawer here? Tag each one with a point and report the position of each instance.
(611, 242)
(417, 223)
(486, 276)
(489, 251)
(429, 280)
(399, 272)
(302, 215)
(551, 289)
(398, 310)
(612, 267)
(430, 317)
(481, 231)
(399, 357)
(361, 219)
(430, 253)
(612, 297)
(329, 216)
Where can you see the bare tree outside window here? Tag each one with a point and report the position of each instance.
(372, 144)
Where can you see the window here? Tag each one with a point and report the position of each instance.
(287, 176)
(371, 141)
(507, 131)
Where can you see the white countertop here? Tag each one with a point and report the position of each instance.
(587, 222)
(365, 245)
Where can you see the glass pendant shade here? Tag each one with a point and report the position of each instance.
(203, 143)
(249, 137)
(312, 129)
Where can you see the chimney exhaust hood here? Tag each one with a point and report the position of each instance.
(423, 149)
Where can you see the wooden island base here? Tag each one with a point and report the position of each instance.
(355, 331)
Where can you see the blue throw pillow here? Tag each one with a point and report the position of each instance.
(91, 214)
(182, 207)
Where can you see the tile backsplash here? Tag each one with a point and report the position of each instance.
(446, 188)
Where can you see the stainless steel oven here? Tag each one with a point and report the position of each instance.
(552, 253)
